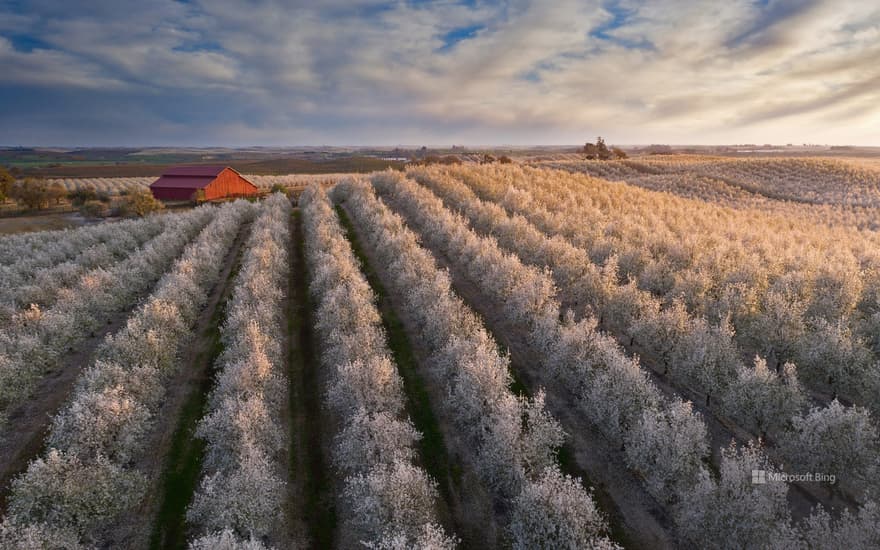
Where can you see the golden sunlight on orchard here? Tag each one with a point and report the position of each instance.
(656, 351)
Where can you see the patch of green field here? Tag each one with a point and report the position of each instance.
(184, 462)
(320, 513)
(431, 447)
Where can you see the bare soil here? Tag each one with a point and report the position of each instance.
(44, 222)
(16, 220)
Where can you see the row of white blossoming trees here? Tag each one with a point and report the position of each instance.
(72, 284)
(791, 290)
(40, 268)
(511, 440)
(240, 500)
(664, 440)
(385, 499)
(87, 477)
(33, 270)
(840, 441)
(583, 269)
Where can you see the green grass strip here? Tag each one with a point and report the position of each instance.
(319, 507)
(184, 463)
(432, 449)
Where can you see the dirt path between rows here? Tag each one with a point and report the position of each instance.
(309, 506)
(134, 530)
(28, 424)
(432, 454)
(478, 521)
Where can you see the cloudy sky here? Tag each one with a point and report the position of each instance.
(255, 72)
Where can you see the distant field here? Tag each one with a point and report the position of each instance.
(139, 163)
(268, 167)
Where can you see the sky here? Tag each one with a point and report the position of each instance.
(351, 72)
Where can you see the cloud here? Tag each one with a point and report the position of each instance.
(51, 68)
(523, 71)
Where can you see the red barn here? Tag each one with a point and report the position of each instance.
(180, 183)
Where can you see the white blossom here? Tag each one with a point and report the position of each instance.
(387, 501)
(225, 540)
(668, 447)
(506, 451)
(734, 511)
(554, 512)
(85, 479)
(763, 401)
(835, 440)
(35, 340)
(240, 497)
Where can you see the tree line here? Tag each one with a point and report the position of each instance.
(36, 194)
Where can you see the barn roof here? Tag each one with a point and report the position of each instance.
(188, 177)
(183, 182)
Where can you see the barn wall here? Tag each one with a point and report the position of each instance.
(229, 184)
(173, 193)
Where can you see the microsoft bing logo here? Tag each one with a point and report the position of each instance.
(759, 477)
